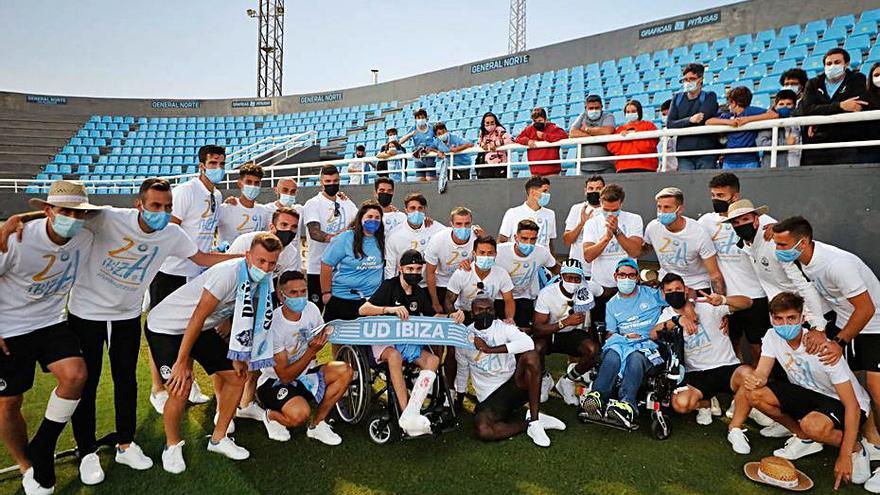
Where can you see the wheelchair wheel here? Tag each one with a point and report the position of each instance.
(380, 430)
(660, 425)
(354, 406)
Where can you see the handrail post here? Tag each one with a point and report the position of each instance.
(664, 157)
(774, 142)
(579, 156)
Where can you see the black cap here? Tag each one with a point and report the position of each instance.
(411, 257)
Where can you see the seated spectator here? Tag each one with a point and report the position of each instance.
(783, 104)
(836, 90)
(542, 131)
(389, 149)
(692, 107)
(671, 161)
(634, 123)
(594, 122)
(422, 135)
(740, 112)
(357, 169)
(492, 135)
(794, 80)
(872, 128)
(446, 142)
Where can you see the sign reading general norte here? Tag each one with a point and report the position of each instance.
(175, 104)
(321, 98)
(677, 25)
(500, 63)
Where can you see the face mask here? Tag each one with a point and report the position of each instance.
(485, 262)
(415, 218)
(625, 285)
(484, 320)
(444, 138)
(296, 304)
(789, 255)
(676, 299)
(256, 274)
(834, 71)
(719, 205)
(689, 86)
(412, 279)
(392, 137)
(594, 114)
(331, 189)
(664, 118)
(215, 175)
(593, 198)
(525, 248)
(372, 226)
(421, 123)
(666, 218)
(490, 128)
(570, 287)
(285, 236)
(630, 117)
(784, 112)
(876, 80)
(544, 199)
(788, 332)
(156, 220)
(607, 214)
(287, 199)
(65, 226)
(462, 233)
(794, 87)
(251, 192)
(539, 126)
(746, 232)
(384, 198)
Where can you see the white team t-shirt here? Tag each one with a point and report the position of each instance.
(235, 220)
(293, 336)
(552, 302)
(446, 255)
(289, 259)
(464, 283)
(123, 261)
(35, 277)
(709, 348)
(490, 371)
(603, 266)
(322, 210)
(198, 216)
(682, 252)
(523, 270)
(735, 265)
(405, 238)
(839, 275)
(393, 220)
(544, 217)
(807, 371)
(272, 207)
(576, 250)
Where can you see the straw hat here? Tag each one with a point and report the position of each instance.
(743, 207)
(66, 194)
(778, 472)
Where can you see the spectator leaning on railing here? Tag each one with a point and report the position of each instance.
(691, 108)
(671, 161)
(794, 80)
(492, 135)
(632, 112)
(872, 97)
(446, 142)
(356, 169)
(422, 135)
(389, 149)
(783, 104)
(741, 112)
(542, 131)
(594, 121)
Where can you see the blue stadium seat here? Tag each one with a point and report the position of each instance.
(861, 42)
(742, 61)
(870, 15)
(742, 39)
(51, 168)
(823, 46)
(756, 47)
(813, 63)
(817, 26)
(728, 76)
(768, 56)
(844, 21)
(795, 53)
(806, 38)
(769, 84)
(766, 36)
(756, 71)
(731, 51)
(783, 65)
(65, 169)
(835, 33)
(865, 27)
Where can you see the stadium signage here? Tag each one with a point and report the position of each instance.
(500, 63)
(322, 98)
(47, 100)
(680, 25)
(175, 104)
(251, 103)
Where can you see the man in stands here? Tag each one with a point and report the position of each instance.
(245, 215)
(577, 218)
(594, 121)
(534, 209)
(356, 169)
(794, 80)
(692, 107)
(413, 234)
(383, 193)
(387, 150)
(541, 132)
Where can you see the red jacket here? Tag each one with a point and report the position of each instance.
(635, 147)
(552, 133)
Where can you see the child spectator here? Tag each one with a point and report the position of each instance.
(740, 112)
(422, 136)
(784, 105)
(446, 142)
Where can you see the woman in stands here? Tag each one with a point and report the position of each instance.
(632, 113)
(871, 154)
(492, 135)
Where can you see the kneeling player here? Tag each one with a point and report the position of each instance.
(506, 374)
(295, 380)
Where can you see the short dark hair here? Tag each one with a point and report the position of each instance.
(785, 94)
(670, 278)
(696, 69)
(382, 180)
(725, 179)
(666, 105)
(210, 149)
(593, 99)
(290, 275)
(391, 130)
(799, 74)
(740, 95)
(612, 193)
(284, 211)
(536, 183)
(538, 112)
(155, 184)
(252, 169)
(420, 111)
(527, 225)
(415, 196)
(785, 301)
(836, 51)
(440, 126)
(637, 104)
(797, 225)
(595, 178)
(329, 170)
(486, 239)
(360, 147)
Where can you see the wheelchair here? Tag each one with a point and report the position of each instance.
(371, 397)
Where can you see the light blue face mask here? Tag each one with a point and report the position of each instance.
(625, 285)
(256, 274)
(287, 199)
(834, 71)
(444, 137)
(296, 304)
(689, 86)
(156, 220)
(215, 175)
(416, 218)
(788, 332)
(666, 218)
(607, 214)
(462, 233)
(594, 114)
(789, 255)
(525, 248)
(485, 262)
(67, 227)
(630, 117)
(544, 199)
(250, 192)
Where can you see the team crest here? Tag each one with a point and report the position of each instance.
(2, 384)
(413, 306)
(282, 393)
(165, 372)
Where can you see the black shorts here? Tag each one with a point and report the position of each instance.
(163, 285)
(209, 351)
(797, 402)
(506, 401)
(313, 282)
(597, 314)
(45, 346)
(342, 309)
(273, 394)
(567, 342)
(711, 382)
(752, 322)
(863, 354)
(525, 312)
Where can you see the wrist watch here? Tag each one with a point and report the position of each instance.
(840, 341)
(561, 325)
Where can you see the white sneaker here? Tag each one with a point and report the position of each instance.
(715, 406)
(275, 430)
(738, 439)
(729, 411)
(546, 386)
(873, 450)
(548, 422)
(795, 448)
(537, 434)
(324, 434)
(704, 416)
(252, 411)
(415, 425)
(196, 396)
(32, 486)
(226, 446)
(567, 390)
(861, 467)
(229, 429)
(776, 430)
(760, 418)
(873, 484)
(133, 457)
(172, 458)
(158, 399)
(90, 471)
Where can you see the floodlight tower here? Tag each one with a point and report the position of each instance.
(270, 46)
(517, 37)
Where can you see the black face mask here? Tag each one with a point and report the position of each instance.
(720, 206)
(539, 126)
(384, 199)
(331, 189)
(676, 299)
(412, 279)
(746, 232)
(285, 236)
(483, 321)
(593, 198)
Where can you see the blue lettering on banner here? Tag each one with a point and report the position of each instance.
(251, 103)
(174, 104)
(500, 63)
(680, 25)
(47, 100)
(391, 330)
(322, 98)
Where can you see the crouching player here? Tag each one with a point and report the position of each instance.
(820, 403)
(287, 388)
(506, 374)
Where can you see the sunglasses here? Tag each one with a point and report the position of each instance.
(335, 208)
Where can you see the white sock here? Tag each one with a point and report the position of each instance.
(60, 410)
(419, 393)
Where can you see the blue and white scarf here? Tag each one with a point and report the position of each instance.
(419, 330)
(250, 339)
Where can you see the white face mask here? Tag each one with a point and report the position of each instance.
(570, 287)
(876, 80)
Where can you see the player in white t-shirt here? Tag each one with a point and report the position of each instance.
(506, 374)
(821, 403)
(296, 379)
(244, 215)
(325, 215)
(383, 193)
(414, 233)
(481, 277)
(534, 209)
(445, 252)
(285, 195)
(578, 216)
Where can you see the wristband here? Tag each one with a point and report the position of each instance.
(840, 341)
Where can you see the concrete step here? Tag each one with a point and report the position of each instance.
(25, 158)
(40, 126)
(31, 117)
(53, 134)
(35, 140)
(30, 149)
